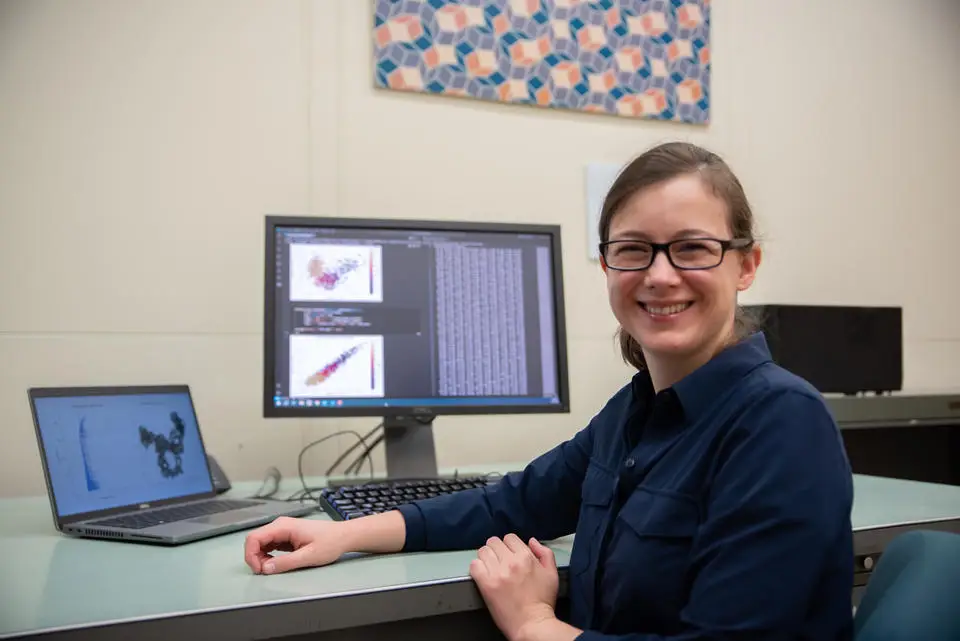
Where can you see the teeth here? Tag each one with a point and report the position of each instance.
(664, 311)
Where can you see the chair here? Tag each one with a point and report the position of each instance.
(914, 591)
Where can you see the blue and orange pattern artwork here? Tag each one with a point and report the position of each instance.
(632, 58)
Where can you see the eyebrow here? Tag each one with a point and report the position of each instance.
(683, 233)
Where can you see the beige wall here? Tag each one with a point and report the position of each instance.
(141, 144)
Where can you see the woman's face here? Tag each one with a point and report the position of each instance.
(678, 315)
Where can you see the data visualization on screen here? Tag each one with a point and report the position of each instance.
(110, 451)
(322, 272)
(386, 315)
(336, 366)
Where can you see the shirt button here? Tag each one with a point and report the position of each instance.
(629, 463)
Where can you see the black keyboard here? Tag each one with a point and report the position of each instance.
(143, 520)
(363, 499)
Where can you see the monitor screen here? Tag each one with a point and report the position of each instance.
(395, 318)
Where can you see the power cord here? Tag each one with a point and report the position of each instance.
(307, 492)
(273, 474)
(366, 453)
(354, 467)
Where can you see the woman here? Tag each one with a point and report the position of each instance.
(710, 497)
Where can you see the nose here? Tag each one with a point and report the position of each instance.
(661, 272)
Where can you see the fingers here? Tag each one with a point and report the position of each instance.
(253, 553)
(479, 571)
(498, 547)
(509, 555)
(255, 560)
(285, 562)
(260, 542)
(543, 553)
(488, 556)
(513, 542)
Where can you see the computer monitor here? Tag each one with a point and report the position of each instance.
(410, 319)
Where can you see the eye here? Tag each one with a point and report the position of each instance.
(631, 249)
(695, 247)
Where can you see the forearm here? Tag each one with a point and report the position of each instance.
(465, 520)
(379, 533)
(388, 532)
(542, 501)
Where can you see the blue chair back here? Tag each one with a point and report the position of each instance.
(914, 591)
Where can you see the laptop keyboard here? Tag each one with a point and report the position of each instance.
(143, 520)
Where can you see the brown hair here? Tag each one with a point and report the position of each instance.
(662, 163)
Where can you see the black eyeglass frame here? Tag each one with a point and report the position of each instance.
(725, 246)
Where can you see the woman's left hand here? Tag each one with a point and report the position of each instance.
(518, 583)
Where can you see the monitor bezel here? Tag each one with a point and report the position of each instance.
(272, 222)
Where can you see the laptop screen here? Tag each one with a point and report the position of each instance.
(105, 452)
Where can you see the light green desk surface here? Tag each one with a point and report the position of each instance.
(79, 589)
(882, 502)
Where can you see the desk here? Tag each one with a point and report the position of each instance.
(54, 587)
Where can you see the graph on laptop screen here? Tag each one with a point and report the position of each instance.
(111, 451)
(408, 320)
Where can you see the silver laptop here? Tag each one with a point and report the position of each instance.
(128, 464)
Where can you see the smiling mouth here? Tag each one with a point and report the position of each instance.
(667, 310)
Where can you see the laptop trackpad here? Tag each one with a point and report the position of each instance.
(223, 518)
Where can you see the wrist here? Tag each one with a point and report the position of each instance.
(536, 625)
(351, 537)
(379, 533)
(547, 629)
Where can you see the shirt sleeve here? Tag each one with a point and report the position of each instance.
(779, 505)
(541, 501)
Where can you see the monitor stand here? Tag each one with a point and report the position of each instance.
(408, 446)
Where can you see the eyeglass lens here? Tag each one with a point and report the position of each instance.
(693, 253)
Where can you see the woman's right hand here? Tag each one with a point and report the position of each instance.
(307, 543)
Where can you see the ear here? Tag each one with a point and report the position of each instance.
(603, 265)
(749, 263)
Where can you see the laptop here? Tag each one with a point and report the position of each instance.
(128, 464)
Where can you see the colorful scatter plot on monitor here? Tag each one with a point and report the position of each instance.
(328, 277)
(328, 370)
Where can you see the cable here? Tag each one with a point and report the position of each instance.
(354, 467)
(360, 442)
(274, 475)
(307, 491)
(300, 495)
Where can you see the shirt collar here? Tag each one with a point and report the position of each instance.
(700, 389)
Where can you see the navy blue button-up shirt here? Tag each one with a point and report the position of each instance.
(718, 508)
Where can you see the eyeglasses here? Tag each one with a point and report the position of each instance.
(683, 253)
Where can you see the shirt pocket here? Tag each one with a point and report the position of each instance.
(661, 515)
(650, 554)
(596, 494)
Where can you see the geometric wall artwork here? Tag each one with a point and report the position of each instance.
(631, 58)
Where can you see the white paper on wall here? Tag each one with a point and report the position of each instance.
(600, 177)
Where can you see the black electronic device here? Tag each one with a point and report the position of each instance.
(346, 502)
(837, 348)
(220, 481)
(905, 435)
(409, 320)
